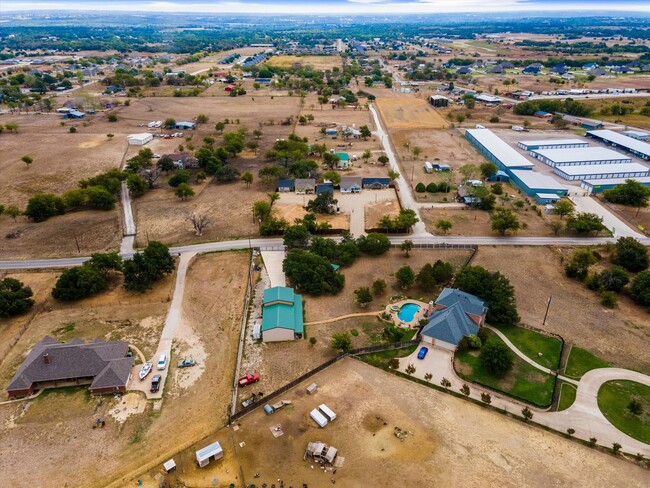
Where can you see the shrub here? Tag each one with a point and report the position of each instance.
(497, 189)
(432, 188)
(312, 341)
(616, 447)
(486, 398)
(640, 288)
(474, 341)
(354, 332)
(15, 298)
(465, 389)
(410, 369)
(592, 441)
(570, 431)
(635, 407)
(483, 334)
(496, 358)
(393, 363)
(78, 283)
(463, 344)
(527, 413)
(183, 176)
(494, 119)
(72, 130)
(445, 383)
(608, 299)
(378, 287)
(420, 188)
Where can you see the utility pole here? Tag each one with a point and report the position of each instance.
(76, 241)
(548, 305)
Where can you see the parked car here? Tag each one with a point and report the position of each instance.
(423, 352)
(186, 363)
(155, 383)
(162, 362)
(156, 156)
(249, 379)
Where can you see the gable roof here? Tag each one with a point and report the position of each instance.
(286, 184)
(283, 316)
(104, 361)
(348, 181)
(279, 294)
(450, 325)
(305, 183)
(470, 303)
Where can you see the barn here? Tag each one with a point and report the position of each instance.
(281, 315)
(139, 139)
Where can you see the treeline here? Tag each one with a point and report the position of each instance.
(568, 106)
(582, 47)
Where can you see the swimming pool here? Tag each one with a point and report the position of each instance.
(408, 311)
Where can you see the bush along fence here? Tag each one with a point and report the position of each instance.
(318, 369)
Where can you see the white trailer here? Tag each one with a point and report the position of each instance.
(327, 411)
(318, 417)
(428, 167)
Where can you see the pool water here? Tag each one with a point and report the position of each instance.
(408, 311)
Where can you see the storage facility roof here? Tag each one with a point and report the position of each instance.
(554, 142)
(627, 142)
(538, 181)
(507, 155)
(579, 154)
(603, 169)
(616, 181)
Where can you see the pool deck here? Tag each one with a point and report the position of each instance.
(419, 315)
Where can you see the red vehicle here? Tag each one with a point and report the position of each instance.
(249, 379)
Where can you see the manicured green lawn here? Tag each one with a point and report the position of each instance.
(531, 343)
(523, 381)
(380, 359)
(613, 399)
(567, 396)
(580, 361)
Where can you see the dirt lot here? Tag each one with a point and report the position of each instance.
(318, 62)
(456, 443)
(290, 213)
(375, 211)
(618, 336)
(192, 405)
(409, 113)
(639, 218)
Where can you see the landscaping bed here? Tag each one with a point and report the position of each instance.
(614, 398)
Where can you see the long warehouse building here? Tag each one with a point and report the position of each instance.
(580, 156)
(497, 150)
(598, 186)
(552, 144)
(602, 171)
(615, 139)
(545, 189)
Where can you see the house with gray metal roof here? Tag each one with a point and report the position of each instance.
(305, 185)
(456, 314)
(104, 365)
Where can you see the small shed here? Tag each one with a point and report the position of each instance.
(286, 185)
(169, 466)
(439, 101)
(312, 388)
(324, 187)
(330, 132)
(327, 412)
(546, 198)
(257, 331)
(499, 176)
(213, 452)
(428, 167)
(540, 114)
(344, 160)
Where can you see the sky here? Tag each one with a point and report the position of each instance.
(329, 7)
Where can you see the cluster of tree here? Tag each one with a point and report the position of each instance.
(631, 193)
(428, 278)
(263, 212)
(585, 223)
(290, 150)
(140, 272)
(402, 223)
(503, 220)
(324, 203)
(495, 289)
(567, 106)
(442, 187)
(15, 298)
(311, 273)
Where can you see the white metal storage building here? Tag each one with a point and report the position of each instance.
(497, 150)
(139, 139)
(213, 452)
(597, 186)
(552, 144)
(636, 134)
(640, 148)
(580, 156)
(601, 171)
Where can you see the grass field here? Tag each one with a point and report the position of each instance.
(523, 381)
(409, 113)
(533, 343)
(580, 361)
(613, 399)
(567, 396)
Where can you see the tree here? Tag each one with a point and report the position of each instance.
(296, 236)
(470, 101)
(182, 176)
(373, 244)
(613, 279)
(416, 151)
(562, 208)
(578, 267)
(492, 287)
(105, 262)
(527, 413)
(584, 223)
(393, 175)
(199, 221)
(42, 206)
(640, 288)
(324, 203)
(136, 184)
(503, 219)
(420, 188)
(378, 287)
(366, 155)
(363, 296)
(406, 247)
(631, 193)
(247, 178)
(99, 198)
(184, 191)
(330, 160)
(405, 277)
(12, 211)
(488, 169)
(496, 358)
(78, 283)
(465, 389)
(425, 278)
(169, 123)
(383, 160)
(311, 273)
(445, 383)
(631, 254)
(410, 369)
(341, 342)
(15, 298)
(616, 447)
(486, 398)
(219, 126)
(365, 132)
(27, 160)
(469, 172)
(147, 267)
(202, 119)
(460, 118)
(332, 176)
(261, 210)
(635, 407)
(444, 225)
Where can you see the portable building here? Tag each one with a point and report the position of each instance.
(598, 186)
(602, 171)
(268, 409)
(497, 150)
(139, 139)
(185, 125)
(639, 148)
(318, 417)
(257, 331)
(312, 388)
(169, 466)
(212, 452)
(327, 412)
(580, 156)
(552, 144)
(428, 167)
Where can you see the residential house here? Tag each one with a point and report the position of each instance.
(104, 365)
(351, 184)
(559, 69)
(344, 160)
(374, 183)
(182, 160)
(530, 70)
(281, 315)
(464, 70)
(286, 185)
(568, 76)
(598, 72)
(496, 70)
(589, 66)
(324, 187)
(622, 70)
(305, 185)
(540, 114)
(454, 315)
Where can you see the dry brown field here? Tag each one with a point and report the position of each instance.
(292, 212)
(194, 403)
(638, 218)
(455, 443)
(373, 212)
(618, 336)
(317, 62)
(409, 113)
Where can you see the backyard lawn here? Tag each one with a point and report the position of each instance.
(580, 361)
(380, 359)
(523, 381)
(613, 400)
(533, 343)
(567, 396)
